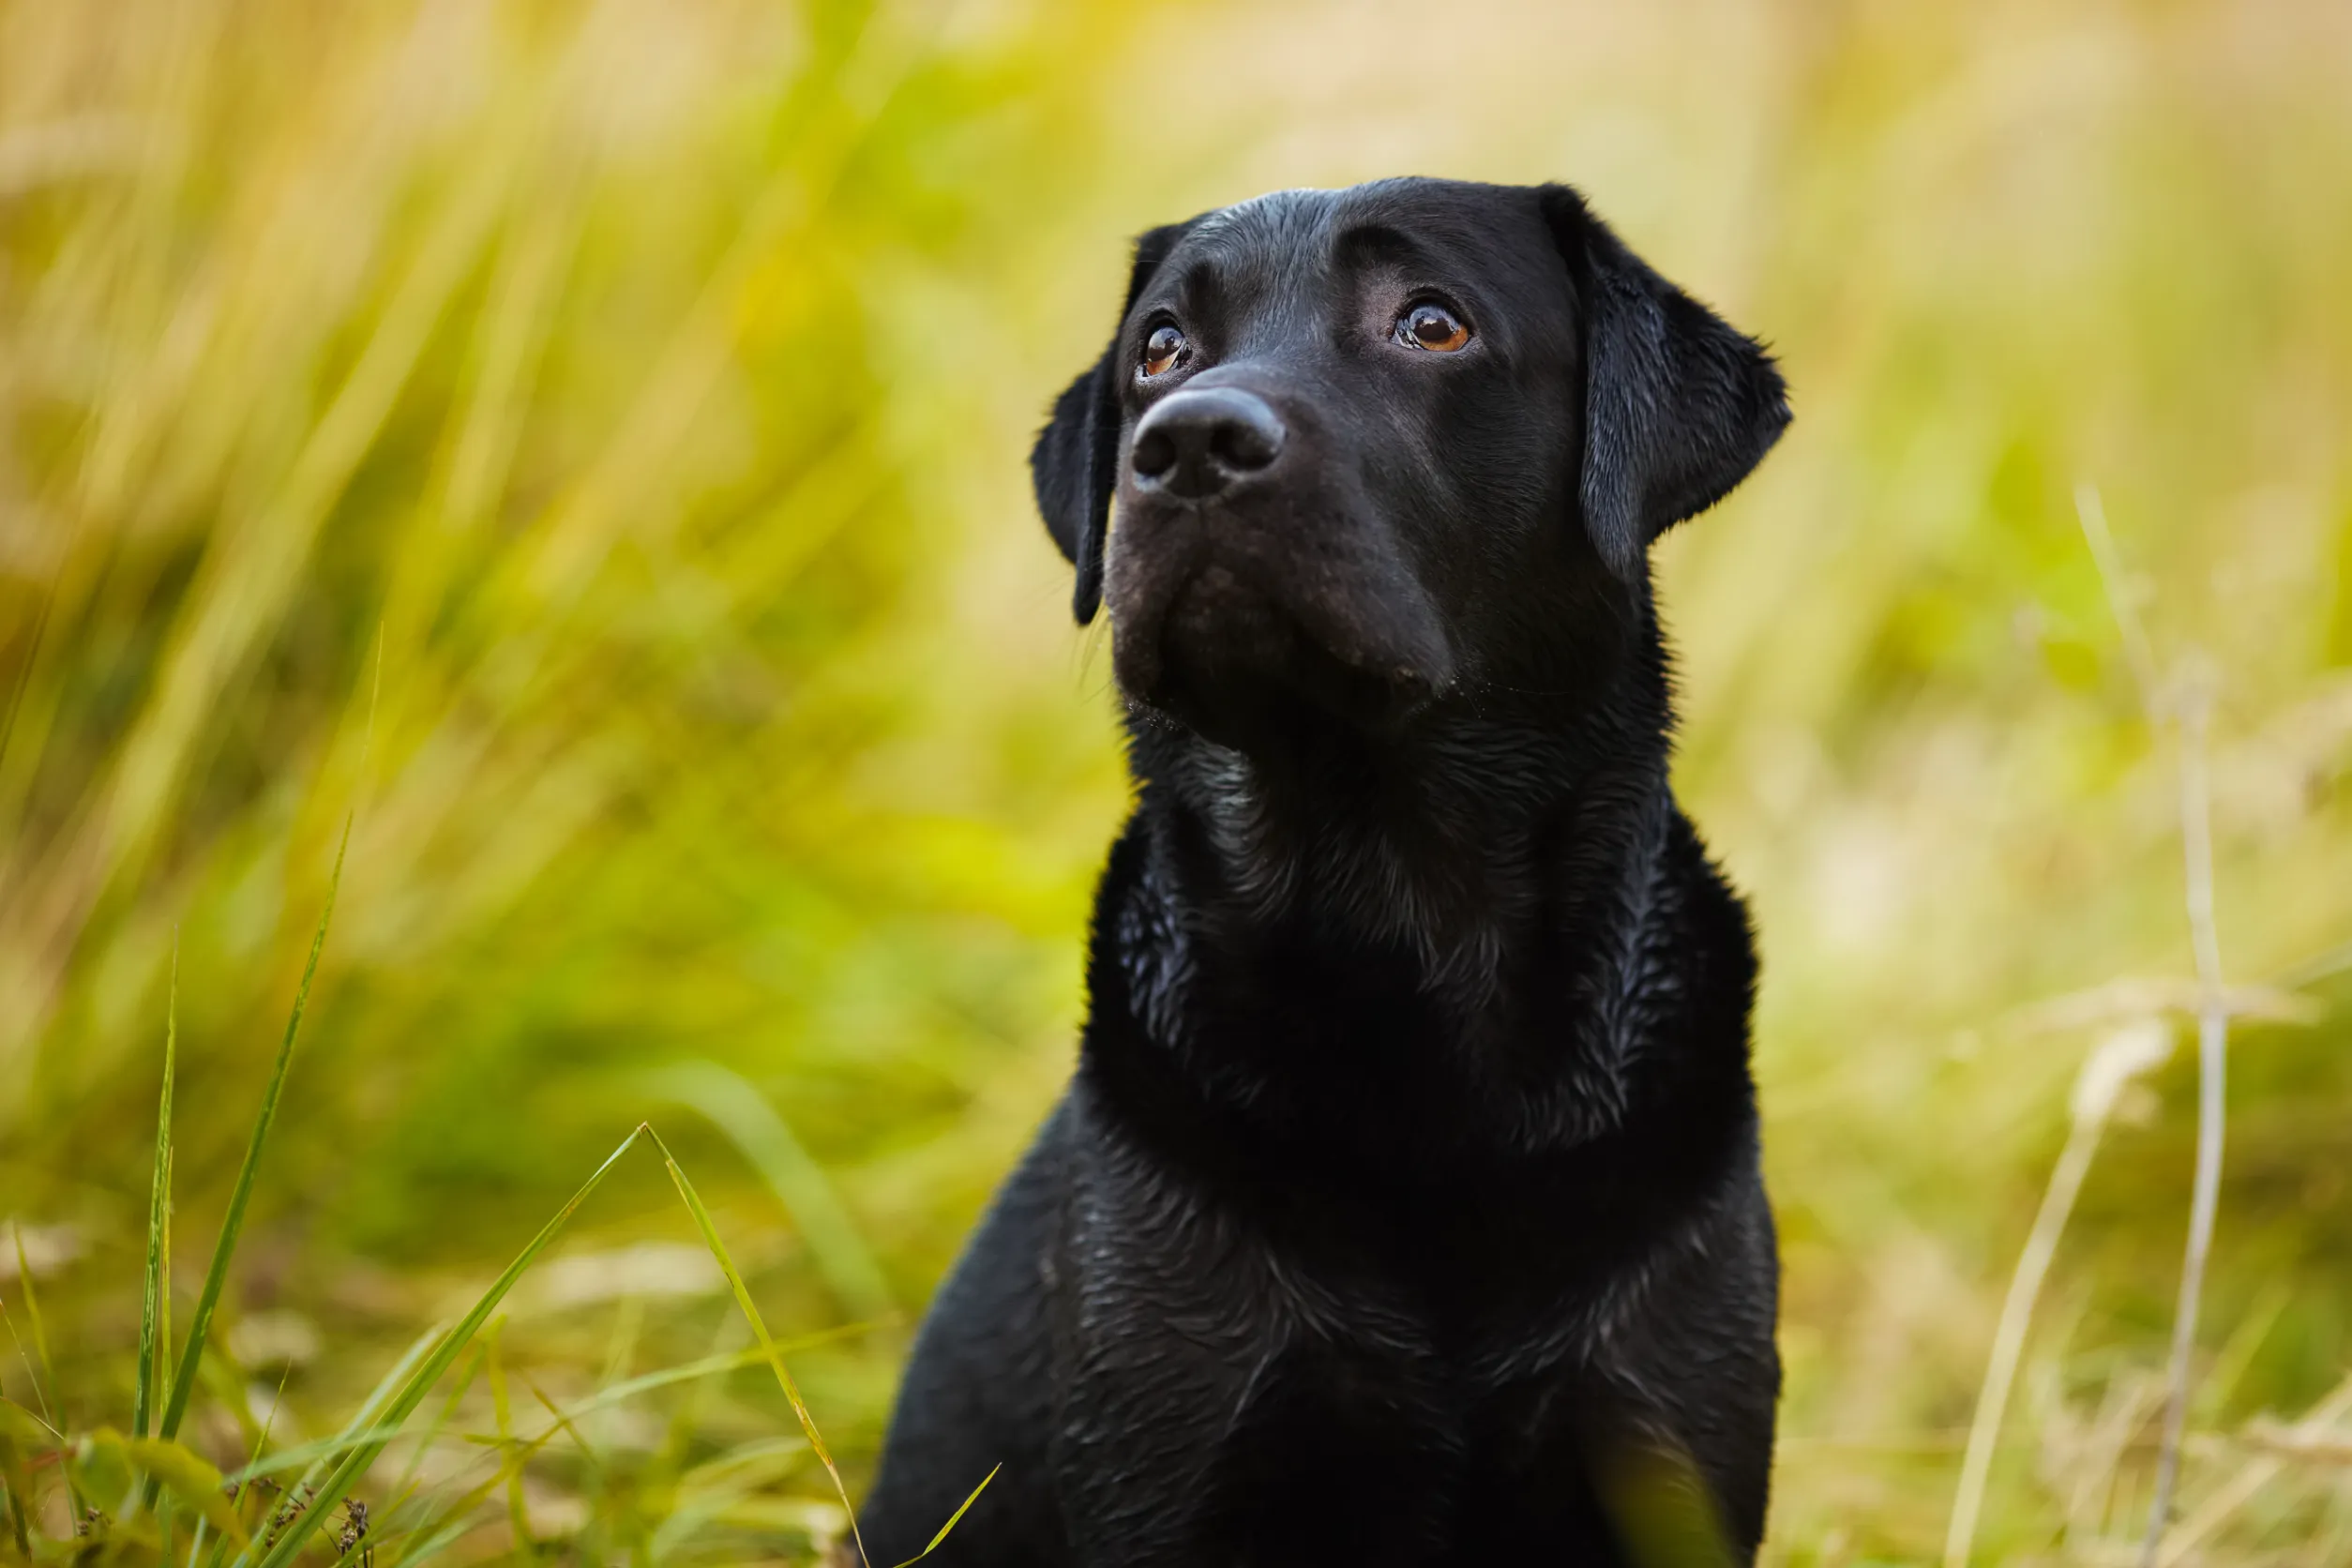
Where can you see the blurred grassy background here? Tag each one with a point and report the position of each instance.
(648, 384)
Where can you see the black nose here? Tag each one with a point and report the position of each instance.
(1200, 442)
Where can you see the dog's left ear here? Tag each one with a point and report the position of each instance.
(1074, 464)
(1679, 405)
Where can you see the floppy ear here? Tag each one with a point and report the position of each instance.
(1678, 406)
(1074, 464)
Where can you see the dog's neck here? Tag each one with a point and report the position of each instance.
(1476, 934)
(1456, 846)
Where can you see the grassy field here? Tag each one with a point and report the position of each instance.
(578, 447)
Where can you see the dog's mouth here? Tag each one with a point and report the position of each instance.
(1232, 631)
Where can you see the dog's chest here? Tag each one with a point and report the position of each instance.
(1244, 1312)
(1282, 1382)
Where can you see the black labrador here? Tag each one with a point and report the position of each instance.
(1405, 1206)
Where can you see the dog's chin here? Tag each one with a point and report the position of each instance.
(1241, 669)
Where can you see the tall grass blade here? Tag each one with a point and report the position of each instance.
(44, 1378)
(2131, 1051)
(154, 1333)
(363, 1422)
(458, 1385)
(319, 1451)
(734, 1105)
(708, 1366)
(353, 1436)
(564, 1424)
(261, 1438)
(447, 1348)
(459, 1512)
(961, 1510)
(512, 1458)
(759, 1330)
(502, 1411)
(199, 1323)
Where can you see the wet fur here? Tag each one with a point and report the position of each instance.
(1405, 1206)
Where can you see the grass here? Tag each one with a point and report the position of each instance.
(638, 394)
(167, 1487)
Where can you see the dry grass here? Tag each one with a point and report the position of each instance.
(646, 386)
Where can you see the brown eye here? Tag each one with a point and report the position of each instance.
(1164, 350)
(1432, 327)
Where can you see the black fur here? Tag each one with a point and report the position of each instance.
(1405, 1208)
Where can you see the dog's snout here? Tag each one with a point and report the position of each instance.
(1200, 443)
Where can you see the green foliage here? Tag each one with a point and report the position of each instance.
(642, 388)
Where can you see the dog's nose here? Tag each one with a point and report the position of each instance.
(1198, 444)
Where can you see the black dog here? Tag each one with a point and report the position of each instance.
(1405, 1208)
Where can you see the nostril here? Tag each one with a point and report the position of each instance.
(1198, 441)
(1154, 454)
(1245, 445)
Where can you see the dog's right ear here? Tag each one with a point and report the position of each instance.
(1074, 464)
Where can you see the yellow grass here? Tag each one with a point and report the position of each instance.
(649, 381)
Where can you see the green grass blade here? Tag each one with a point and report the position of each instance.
(314, 1452)
(163, 1278)
(322, 1449)
(734, 1105)
(759, 1330)
(154, 1333)
(502, 1411)
(261, 1438)
(364, 1421)
(563, 1424)
(512, 1457)
(446, 1349)
(44, 1378)
(21, 1426)
(199, 1323)
(708, 1366)
(952, 1519)
(467, 1371)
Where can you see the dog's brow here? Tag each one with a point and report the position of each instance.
(1202, 285)
(1376, 241)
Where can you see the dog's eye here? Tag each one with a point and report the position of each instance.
(1164, 351)
(1432, 327)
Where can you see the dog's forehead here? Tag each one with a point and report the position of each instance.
(1282, 243)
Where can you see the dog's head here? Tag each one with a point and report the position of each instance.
(1355, 452)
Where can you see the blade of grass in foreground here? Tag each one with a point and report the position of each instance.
(774, 1354)
(759, 1330)
(964, 1508)
(512, 1457)
(199, 1323)
(736, 1107)
(518, 1514)
(446, 1350)
(468, 1370)
(155, 1333)
(351, 1437)
(44, 1380)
